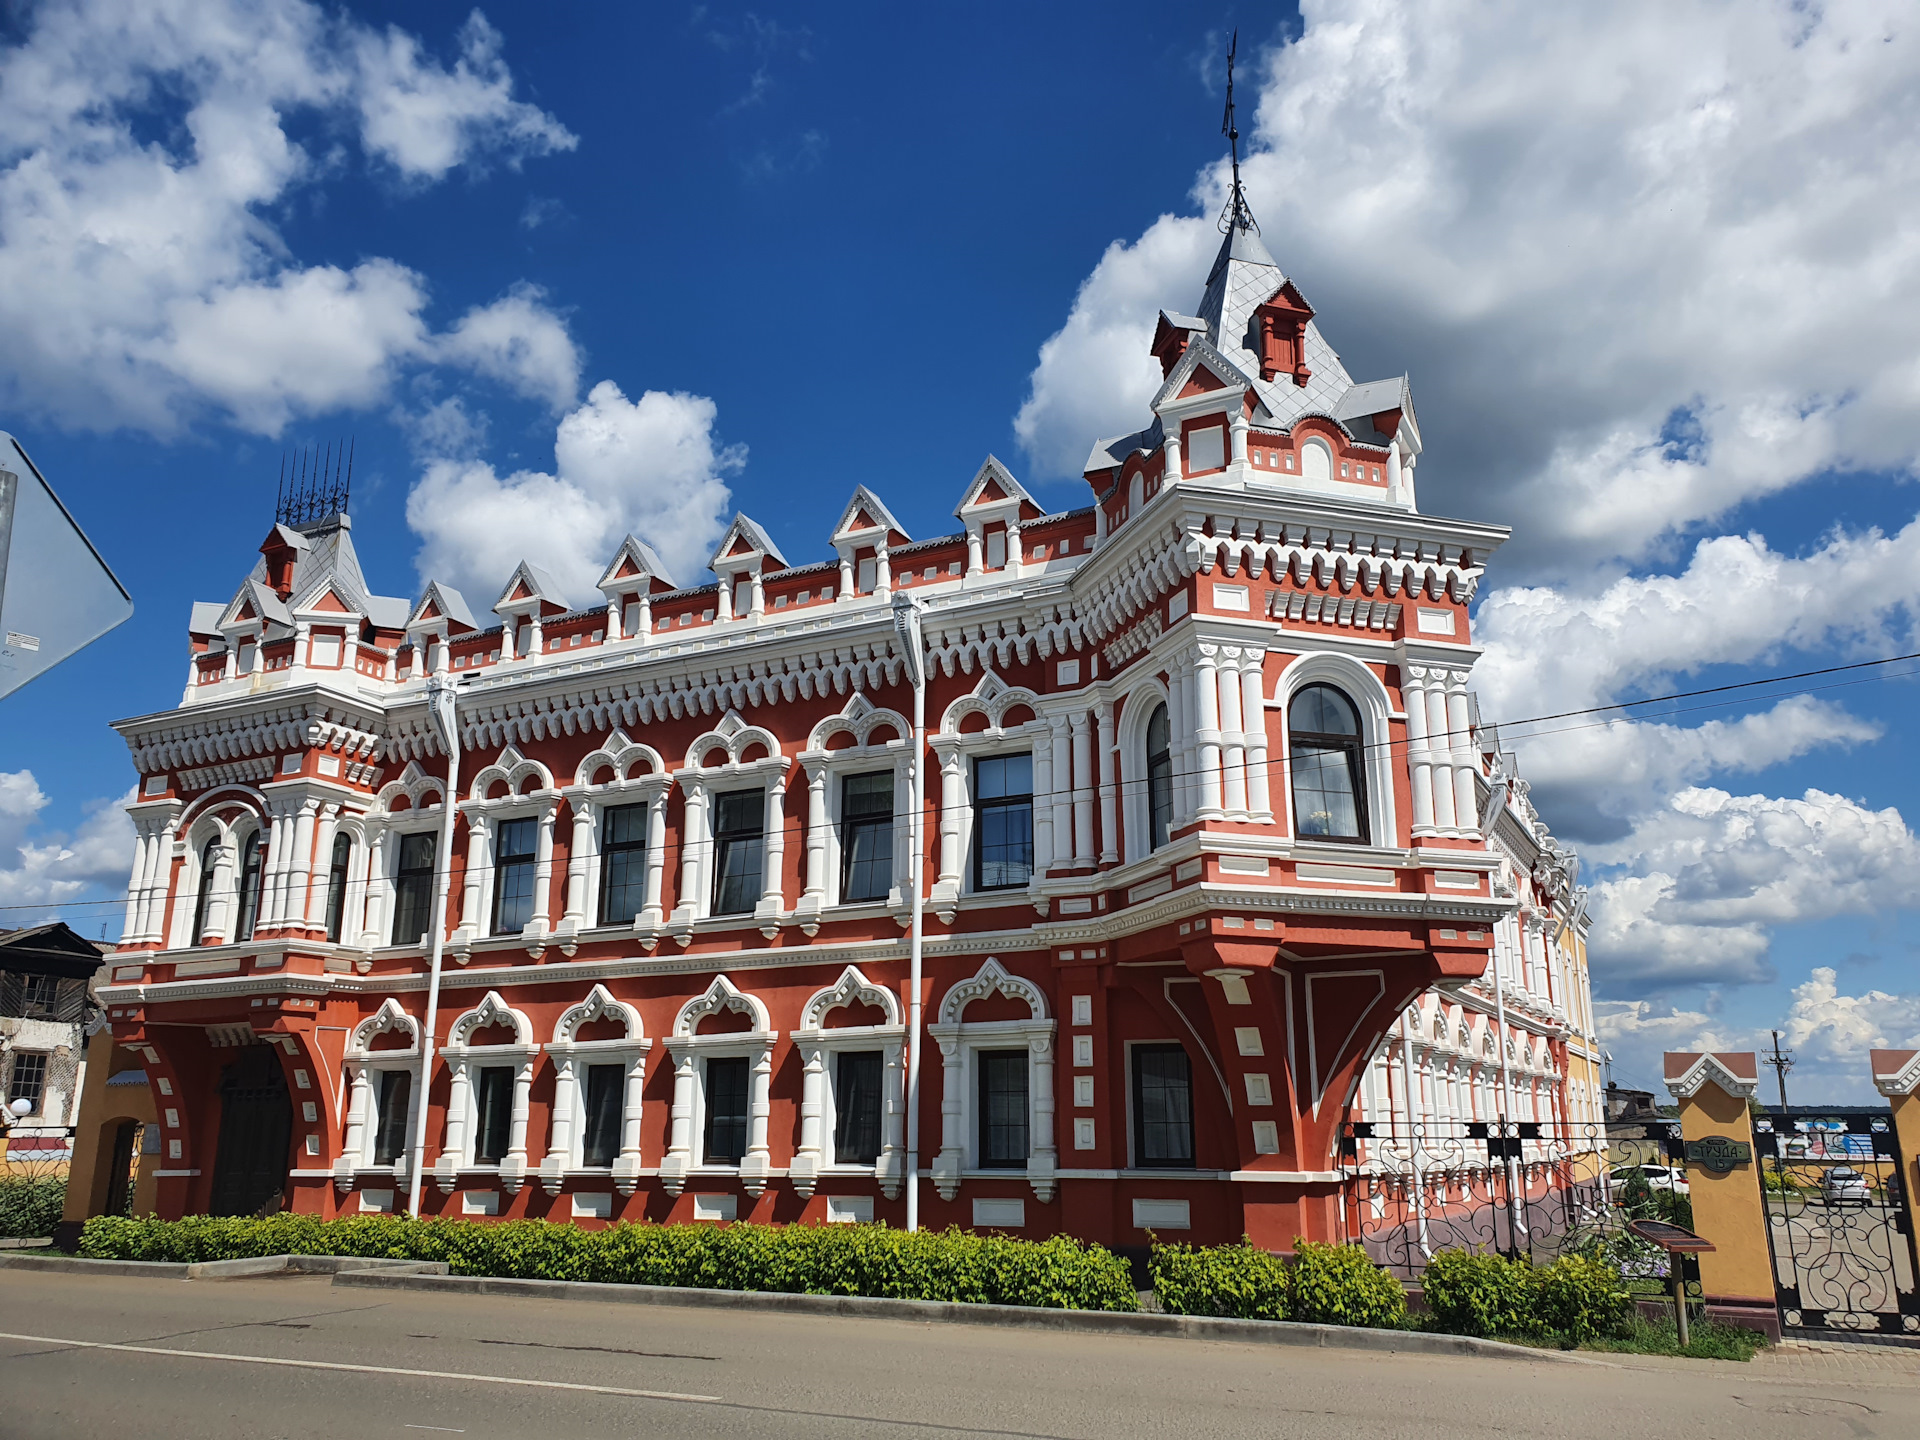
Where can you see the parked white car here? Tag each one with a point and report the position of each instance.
(1658, 1177)
(1844, 1185)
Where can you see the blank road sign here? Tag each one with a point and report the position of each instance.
(56, 593)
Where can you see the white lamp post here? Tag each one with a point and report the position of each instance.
(906, 625)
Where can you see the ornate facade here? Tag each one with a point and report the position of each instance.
(1206, 813)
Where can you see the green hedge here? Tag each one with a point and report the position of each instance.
(1060, 1273)
(29, 1209)
(1325, 1284)
(1576, 1297)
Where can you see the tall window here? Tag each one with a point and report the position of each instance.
(513, 875)
(1159, 778)
(1329, 790)
(1002, 822)
(250, 888)
(206, 893)
(337, 886)
(856, 1104)
(390, 1134)
(492, 1134)
(740, 850)
(726, 1109)
(413, 889)
(866, 840)
(28, 1079)
(606, 1108)
(1003, 1108)
(623, 864)
(1162, 1106)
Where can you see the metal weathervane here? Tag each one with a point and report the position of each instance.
(1236, 216)
(315, 489)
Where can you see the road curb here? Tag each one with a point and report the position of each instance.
(248, 1268)
(152, 1269)
(1018, 1317)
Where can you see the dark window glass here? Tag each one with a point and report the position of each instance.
(39, 997)
(1159, 779)
(866, 841)
(337, 886)
(28, 1080)
(1003, 1107)
(1162, 1106)
(496, 1115)
(250, 889)
(739, 823)
(1002, 822)
(606, 1109)
(726, 1110)
(1323, 751)
(858, 1075)
(623, 864)
(206, 893)
(390, 1134)
(513, 875)
(413, 889)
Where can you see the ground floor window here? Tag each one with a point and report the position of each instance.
(1003, 1107)
(857, 1103)
(726, 1097)
(1162, 1106)
(606, 1109)
(495, 1115)
(390, 1134)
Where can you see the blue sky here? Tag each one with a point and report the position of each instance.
(1651, 279)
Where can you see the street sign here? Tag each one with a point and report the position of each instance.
(1718, 1154)
(56, 593)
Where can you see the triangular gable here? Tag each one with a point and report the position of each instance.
(329, 601)
(520, 592)
(867, 511)
(529, 583)
(1201, 381)
(740, 546)
(634, 560)
(994, 484)
(757, 542)
(254, 603)
(442, 601)
(627, 568)
(246, 612)
(1201, 354)
(429, 611)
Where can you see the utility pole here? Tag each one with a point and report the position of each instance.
(1781, 1061)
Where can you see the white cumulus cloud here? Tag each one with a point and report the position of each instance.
(144, 150)
(651, 466)
(42, 868)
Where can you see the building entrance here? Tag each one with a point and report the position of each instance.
(256, 1126)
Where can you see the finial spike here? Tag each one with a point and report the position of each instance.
(1237, 216)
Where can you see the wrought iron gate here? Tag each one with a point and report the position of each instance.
(1839, 1219)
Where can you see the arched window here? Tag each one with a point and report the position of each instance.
(1329, 775)
(256, 849)
(1159, 779)
(206, 892)
(337, 888)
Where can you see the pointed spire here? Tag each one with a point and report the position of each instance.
(1237, 218)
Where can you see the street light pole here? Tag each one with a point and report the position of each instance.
(906, 625)
(443, 711)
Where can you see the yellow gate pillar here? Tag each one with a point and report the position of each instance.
(1723, 1181)
(1896, 1075)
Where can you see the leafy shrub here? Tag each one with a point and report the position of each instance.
(1239, 1282)
(954, 1265)
(1339, 1285)
(1577, 1298)
(29, 1209)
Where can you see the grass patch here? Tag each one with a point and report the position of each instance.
(1706, 1340)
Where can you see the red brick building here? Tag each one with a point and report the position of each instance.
(1202, 819)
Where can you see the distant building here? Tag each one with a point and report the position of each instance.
(1207, 815)
(45, 972)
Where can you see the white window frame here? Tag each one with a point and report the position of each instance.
(566, 1141)
(700, 784)
(1136, 808)
(685, 1157)
(955, 753)
(463, 1104)
(531, 795)
(1375, 709)
(826, 771)
(589, 803)
(819, 1048)
(959, 1040)
(364, 1065)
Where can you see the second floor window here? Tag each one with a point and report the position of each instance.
(1003, 1108)
(206, 893)
(857, 1079)
(623, 864)
(739, 845)
(256, 850)
(866, 841)
(493, 1129)
(28, 1079)
(513, 876)
(1159, 779)
(413, 889)
(1323, 750)
(726, 1137)
(390, 1134)
(1002, 822)
(337, 886)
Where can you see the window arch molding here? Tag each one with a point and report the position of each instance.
(955, 747)
(960, 1041)
(364, 1068)
(1131, 734)
(410, 802)
(825, 767)
(566, 1144)
(1375, 709)
(462, 1057)
(716, 763)
(688, 1049)
(818, 1046)
(638, 777)
(231, 818)
(531, 794)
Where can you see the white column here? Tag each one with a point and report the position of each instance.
(1042, 807)
(1253, 721)
(882, 571)
(536, 643)
(543, 871)
(772, 892)
(1061, 792)
(1207, 732)
(626, 1168)
(299, 880)
(948, 1164)
(353, 1149)
(679, 1157)
(1083, 841)
(757, 1163)
(578, 857)
(1413, 690)
(140, 878)
(322, 866)
(893, 1149)
(1041, 1163)
(1441, 747)
(846, 577)
(1181, 730)
(1016, 553)
(723, 603)
(1109, 790)
(560, 1131)
(756, 595)
(952, 802)
(454, 1153)
(375, 886)
(1238, 429)
(693, 844)
(805, 1169)
(473, 920)
(515, 1163)
(815, 895)
(973, 551)
(1466, 802)
(1170, 449)
(614, 620)
(1232, 742)
(650, 912)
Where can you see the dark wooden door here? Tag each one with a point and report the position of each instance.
(119, 1199)
(256, 1126)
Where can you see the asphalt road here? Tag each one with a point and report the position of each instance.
(295, 1357)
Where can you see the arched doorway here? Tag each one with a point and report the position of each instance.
(256, 1126)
